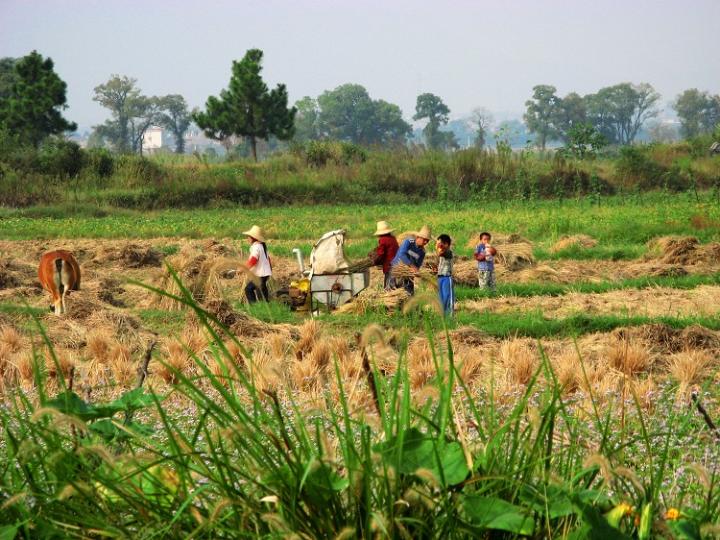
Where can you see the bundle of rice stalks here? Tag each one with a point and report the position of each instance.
(134, 256)
(11, 338)
(699, 337)
(628, 358)
(654, 269)
(469, 335)
(204, 277)
(675, 249)
(575, 240)
(15, 274)
(361, 265)
(404, 271)
(466, 273)
(368, 299)
(239, 323)
(518, 359)
(660, 337)
(689, 367)
(130, 256)
(515, 256)
(209, 284)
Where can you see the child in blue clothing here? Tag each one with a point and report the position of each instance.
(444, 274)
(412, 254)
(485, 256)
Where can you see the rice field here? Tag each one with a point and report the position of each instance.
(577, 403)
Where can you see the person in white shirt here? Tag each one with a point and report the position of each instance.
(259, 265)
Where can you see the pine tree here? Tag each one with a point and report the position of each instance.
(247, 108)
(31, 110)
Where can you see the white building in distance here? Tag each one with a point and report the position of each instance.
(152, 139)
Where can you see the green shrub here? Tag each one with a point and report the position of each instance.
(635, 166)
(100, 162)
(139, 171)
(59, 157)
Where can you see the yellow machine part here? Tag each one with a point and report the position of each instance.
(300, 294)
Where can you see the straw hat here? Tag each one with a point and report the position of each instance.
(424, 233)
(383, 227)
(255, 232)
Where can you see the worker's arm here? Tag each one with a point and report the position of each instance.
(254, 256)
(479, 255)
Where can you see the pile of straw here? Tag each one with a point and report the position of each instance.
(404, 271)
(515, 256)
(392, 300)
(205, 277)
(579, 240)
(684, 250)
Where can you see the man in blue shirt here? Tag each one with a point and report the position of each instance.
(412, 254)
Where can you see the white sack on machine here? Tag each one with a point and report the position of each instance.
(327, 256)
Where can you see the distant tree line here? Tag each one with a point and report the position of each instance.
(33, 98)
(615, 113)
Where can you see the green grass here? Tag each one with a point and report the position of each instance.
(532, 324)
(257, 466)
(622, 225)
(555, 289)
(161, 321)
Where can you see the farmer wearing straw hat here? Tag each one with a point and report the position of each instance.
(412, 254)
(386, 249)
(259, 265)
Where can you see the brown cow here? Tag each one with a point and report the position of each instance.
(59, 273)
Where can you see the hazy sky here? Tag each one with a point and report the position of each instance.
(471, 53)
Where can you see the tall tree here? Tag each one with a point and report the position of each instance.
(571, 111)
(143, 112)
(31, 108)
(481, 122)
(7, 76)
(348, 113)
(247, 108)
(619, 111)
(120, 95)
(307, 120)
(699, 112)
(175, 117)
(542, 109)
(431, 107)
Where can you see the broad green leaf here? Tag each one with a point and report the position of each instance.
(8, 532)
(70, 403)
(494, 513)
(321, 483)
(684, 529)
(129, 401)
(109, 431)
(419, 451)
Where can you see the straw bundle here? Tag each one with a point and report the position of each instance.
(576, 240)
(390, 300)
(404, 271)
(515, 256)
(466, 273)
(361, 265)
(202, 276)
(654, 269)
